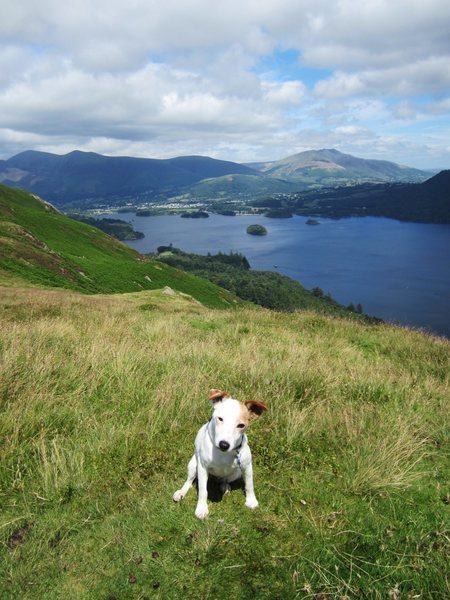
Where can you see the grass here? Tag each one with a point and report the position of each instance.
(101, 397)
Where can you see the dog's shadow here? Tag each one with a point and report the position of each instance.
(215, 493)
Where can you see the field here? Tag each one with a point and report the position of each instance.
(102, 395)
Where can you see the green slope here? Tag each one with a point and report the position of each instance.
(241, 185)
(40, 246)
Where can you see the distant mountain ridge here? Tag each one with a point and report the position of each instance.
(82, 175)
(332, 164)
(87, 178)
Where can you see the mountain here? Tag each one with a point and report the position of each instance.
(84, 179)
(438, 185)
(79, 176)
(40, 246)
(328, 167)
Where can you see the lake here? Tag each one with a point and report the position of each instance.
(398, 271)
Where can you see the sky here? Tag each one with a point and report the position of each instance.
(241, 80)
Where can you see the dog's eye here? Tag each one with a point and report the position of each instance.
(241, 425)
(220, 418)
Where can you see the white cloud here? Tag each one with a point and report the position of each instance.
(404, 110)
(340, 85)
(375, 34)
(440, 107)
(349, 130)
(429, 76)
(116, 76)
(286, 93)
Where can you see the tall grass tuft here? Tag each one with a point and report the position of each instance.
(386, 460)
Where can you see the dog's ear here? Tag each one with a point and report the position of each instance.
(217, 395)
(255, 408)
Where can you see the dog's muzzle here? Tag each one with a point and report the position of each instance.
(224, 446)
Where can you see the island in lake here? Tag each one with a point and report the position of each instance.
(279, 213)
(312, 222)
(146, 212)
(198, 214)
(227, 213)
(256, 230)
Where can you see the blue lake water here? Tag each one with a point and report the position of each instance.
(398, 271)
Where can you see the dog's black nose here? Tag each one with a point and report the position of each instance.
(224, 445)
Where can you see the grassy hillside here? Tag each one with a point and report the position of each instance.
(40, 246)
(241, 185)
(101, 397)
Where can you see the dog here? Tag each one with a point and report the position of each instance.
(222, 450)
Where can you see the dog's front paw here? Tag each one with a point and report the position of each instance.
(201, 512)
(178, 496)
(225, 487)
(251, 502)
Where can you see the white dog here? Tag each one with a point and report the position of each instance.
(222, 450)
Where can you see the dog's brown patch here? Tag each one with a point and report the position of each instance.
(255, 408)
(244, 414)
(217, 395)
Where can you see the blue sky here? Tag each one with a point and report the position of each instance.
(243, 80)
(286, 65)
